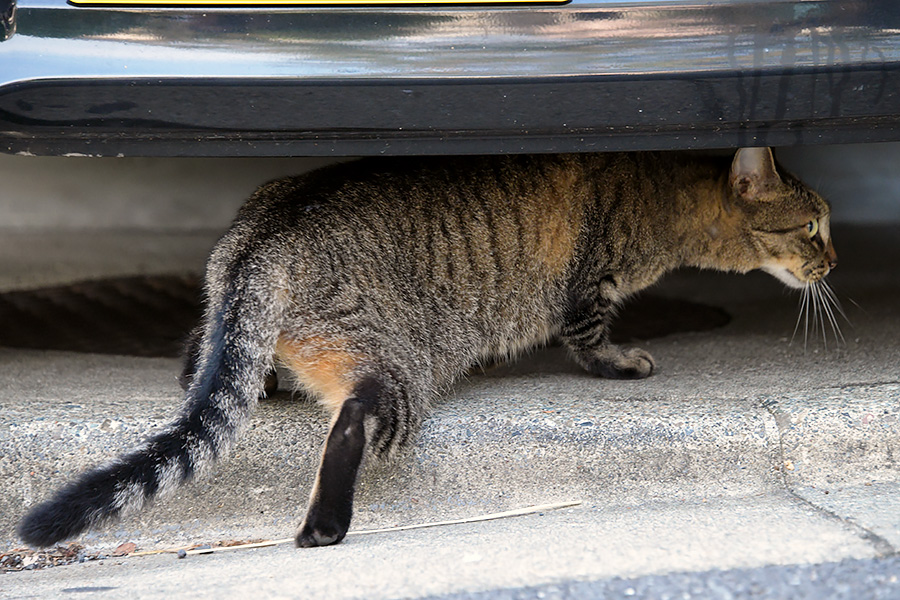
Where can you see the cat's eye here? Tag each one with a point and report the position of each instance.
(812, 228)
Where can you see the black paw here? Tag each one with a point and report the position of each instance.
(321, 532)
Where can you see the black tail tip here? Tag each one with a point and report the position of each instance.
(47, 524)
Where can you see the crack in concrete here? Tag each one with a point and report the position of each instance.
(883, 548)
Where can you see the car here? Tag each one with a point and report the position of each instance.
(357, 77)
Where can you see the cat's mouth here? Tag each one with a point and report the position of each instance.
(790, 277)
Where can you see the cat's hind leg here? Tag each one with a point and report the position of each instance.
(330, 506)
(379, 416)
(374, 411)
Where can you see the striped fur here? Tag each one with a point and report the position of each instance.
(378, 283)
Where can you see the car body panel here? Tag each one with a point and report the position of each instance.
(355, 80)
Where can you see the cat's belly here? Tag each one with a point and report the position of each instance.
(504, 347)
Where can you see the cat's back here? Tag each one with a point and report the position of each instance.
(437, 208)
(399, 185)
(470, 252)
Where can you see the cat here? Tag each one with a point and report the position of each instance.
(378, 283)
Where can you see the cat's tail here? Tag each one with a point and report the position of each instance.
(241, 329)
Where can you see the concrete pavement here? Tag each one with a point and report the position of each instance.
(583, 543)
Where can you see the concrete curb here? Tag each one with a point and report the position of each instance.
(501, 442)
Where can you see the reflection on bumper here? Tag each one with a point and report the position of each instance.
(589, 75)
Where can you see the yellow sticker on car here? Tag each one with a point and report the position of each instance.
(263, 3)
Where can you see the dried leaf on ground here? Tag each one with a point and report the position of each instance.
(26, 559)
(125, 549)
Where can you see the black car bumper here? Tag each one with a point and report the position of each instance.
(588, 75)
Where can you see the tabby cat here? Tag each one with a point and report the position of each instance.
(378, 283)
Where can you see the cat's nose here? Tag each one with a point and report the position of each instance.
(830, 255)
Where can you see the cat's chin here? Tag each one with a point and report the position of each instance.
(785, 276)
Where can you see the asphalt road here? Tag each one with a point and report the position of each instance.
(866, 579)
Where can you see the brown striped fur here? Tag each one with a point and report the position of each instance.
(378, 283)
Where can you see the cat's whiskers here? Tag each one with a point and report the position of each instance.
(831, 304)
(803, 315)
(834, 300)
(820, 312)
(819, 305)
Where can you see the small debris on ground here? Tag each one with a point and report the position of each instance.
(182, 552)
(229, 543)
(26, 559)
(125, 549)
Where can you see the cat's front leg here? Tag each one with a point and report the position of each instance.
(585, 333)
(613, 362)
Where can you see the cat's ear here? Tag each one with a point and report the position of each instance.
(753, 173)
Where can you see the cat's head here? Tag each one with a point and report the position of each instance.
(786, 223)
